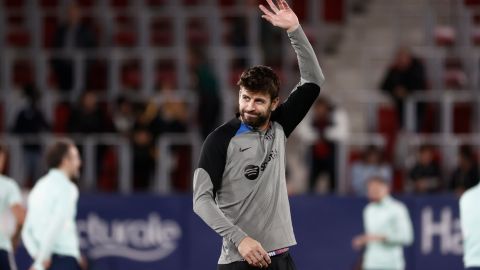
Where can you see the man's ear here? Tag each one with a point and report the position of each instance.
(275, 103)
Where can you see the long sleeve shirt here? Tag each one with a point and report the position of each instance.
(239, 185)
(470, 223)
(388, 218)
(9, 196)
(50, 226)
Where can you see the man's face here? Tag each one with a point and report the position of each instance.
(255, 108)
(73, 162)
(376, 190)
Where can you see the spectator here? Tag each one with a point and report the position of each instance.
(425, 174)
(147, 128)
(466, 175)
(30, 121)
(206, 85)
(88, 117)
(124, 116)
(73, 35)
(372, 164)
(331, 126)
(174, 115)
(405, 76)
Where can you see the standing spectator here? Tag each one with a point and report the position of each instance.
(88, 117)
(405, 76)
(30, 121)
(330, 126)
(10, 199)
(466, 175)
(124, 116)
(206, 85)
(147, 128)
(425, 174)
(388, 229)
(74, 35)
(469, 220)
(372, 164)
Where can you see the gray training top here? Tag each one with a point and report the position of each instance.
(239, 185)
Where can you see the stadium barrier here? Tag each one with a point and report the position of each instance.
(120, 232)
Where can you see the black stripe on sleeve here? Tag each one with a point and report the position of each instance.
(214, 152)
(290, 113)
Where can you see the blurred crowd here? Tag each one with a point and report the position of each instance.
(314, 164)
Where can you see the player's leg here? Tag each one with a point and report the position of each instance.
(64, 263)
(282, 262)
(5, 260)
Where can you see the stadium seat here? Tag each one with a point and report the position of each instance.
(61, 115)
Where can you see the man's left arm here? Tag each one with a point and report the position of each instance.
(310, 71)
(294, 109)
(402, 233)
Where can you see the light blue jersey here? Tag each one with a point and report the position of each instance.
(50, 226)
(9, 196)
(390, 219)
(470, 222)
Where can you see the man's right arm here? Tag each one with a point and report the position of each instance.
(204, 206)
(207, 180)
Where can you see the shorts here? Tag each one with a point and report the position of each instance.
(60, 262)
(280, 262)
(6, 260)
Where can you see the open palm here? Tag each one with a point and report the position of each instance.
(280, 15)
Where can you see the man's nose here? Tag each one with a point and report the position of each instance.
(251, 106)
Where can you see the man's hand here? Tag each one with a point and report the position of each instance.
(360, 241)
(253, 253)
(281, 15)
(46, 264)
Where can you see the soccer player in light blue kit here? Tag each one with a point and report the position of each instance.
(388, 229)
(50, 232)
(10, 199)
(470, 223)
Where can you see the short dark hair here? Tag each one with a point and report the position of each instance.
(377, 179)
(57, 152)
(260, 79)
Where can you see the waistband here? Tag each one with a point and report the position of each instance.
(277, 252)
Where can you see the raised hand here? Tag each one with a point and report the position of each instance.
(280, 15)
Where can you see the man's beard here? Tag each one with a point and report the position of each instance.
(255, 122)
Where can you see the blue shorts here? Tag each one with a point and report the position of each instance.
(60, 262)
(473, 268)
(6, 260)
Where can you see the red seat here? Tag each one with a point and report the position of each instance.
(19, 38)
(462, 118)
(161, 32)
(388, 126)
(49, 3)
(131, 76)
(61, 116)
(50, 25)
(119, 3)
(445, 35)
(471, 3)
(9, 4)
(23, 73)
(107, 180)
(125, 38)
